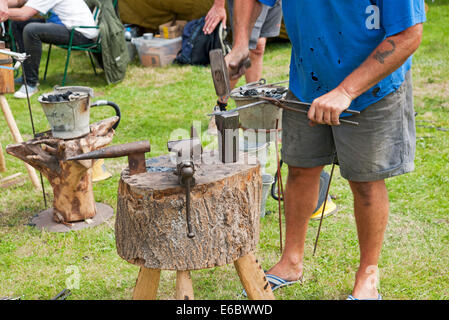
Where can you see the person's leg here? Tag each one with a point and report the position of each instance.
(301, 197)
(371, 209)
(382, 146)
(17, 31)
(254, 73)
(34, 34)
(306, 151)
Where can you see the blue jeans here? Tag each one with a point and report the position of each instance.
(36, 33)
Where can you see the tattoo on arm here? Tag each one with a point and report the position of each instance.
(382, 55)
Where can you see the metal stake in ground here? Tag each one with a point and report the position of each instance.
(324, 204)
(280, 185)
(32, 125)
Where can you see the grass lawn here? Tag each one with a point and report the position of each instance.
(154, 102)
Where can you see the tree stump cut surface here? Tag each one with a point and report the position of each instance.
(151, 228)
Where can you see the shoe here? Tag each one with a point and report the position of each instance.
(330, 209)
(22, 92)
(18, 80)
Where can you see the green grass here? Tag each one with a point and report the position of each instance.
(154, 102)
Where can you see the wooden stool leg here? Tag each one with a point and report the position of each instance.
(17, 137)
(253, 278)
(2, 160)
(184, 287)
(147, 284)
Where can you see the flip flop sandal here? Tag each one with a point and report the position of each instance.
(277, 282)
(351, 297)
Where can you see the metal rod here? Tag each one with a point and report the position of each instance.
(190, 233)
(278, 104)
(324, 205)
(305, 104)
(280, 186)
(237, 109)
(32, 126)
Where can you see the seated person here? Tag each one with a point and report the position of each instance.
(17, 30)
(70, 12)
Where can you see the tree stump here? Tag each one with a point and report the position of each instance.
(71, 180)
(151, 227)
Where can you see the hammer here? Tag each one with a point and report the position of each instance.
(134, 150)
(220, 74)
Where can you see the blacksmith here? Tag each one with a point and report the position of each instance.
(345, 54)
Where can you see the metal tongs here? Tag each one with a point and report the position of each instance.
(280, 103)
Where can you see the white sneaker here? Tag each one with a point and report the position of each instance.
(22, 92)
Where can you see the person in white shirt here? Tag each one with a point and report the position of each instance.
(72, 13)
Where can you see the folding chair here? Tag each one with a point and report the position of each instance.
(89, 48)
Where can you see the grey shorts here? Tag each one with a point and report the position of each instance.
(268, 25)
(382, 146)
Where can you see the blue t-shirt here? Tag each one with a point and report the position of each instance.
(331, 38)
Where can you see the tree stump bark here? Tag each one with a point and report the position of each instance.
(71, 180)
(151, 229)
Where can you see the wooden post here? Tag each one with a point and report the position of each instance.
(147, 284)
(17, 138)
(184, 287)
(6, 75)
(2, 159)
(253, 278)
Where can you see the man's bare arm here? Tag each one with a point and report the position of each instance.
(215, 15)
(22, 14)
(245, 15)
(384, 60)
(4, 10)
(15, 3)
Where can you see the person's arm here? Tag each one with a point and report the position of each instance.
(22, 14)
(384, 60)
(245, 15)
(215, 15)
(15, 3)
(4, 10)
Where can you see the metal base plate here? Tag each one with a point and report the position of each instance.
(44, 220)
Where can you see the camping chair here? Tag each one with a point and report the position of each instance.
(91, 48)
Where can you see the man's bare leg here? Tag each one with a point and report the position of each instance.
(371, 208)
(254, 73)
(301, 197)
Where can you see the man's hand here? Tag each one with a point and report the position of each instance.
(328, 108)
(215, 15)
(4, 13)
(234, 61)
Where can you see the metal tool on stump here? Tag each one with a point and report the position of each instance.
(228, 137)
(188, 151)
(135, 151)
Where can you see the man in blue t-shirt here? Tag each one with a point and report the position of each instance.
(345, 54)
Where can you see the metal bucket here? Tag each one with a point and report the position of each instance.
(68, 119)
(261, 117)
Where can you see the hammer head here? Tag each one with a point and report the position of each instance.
(219, 72)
